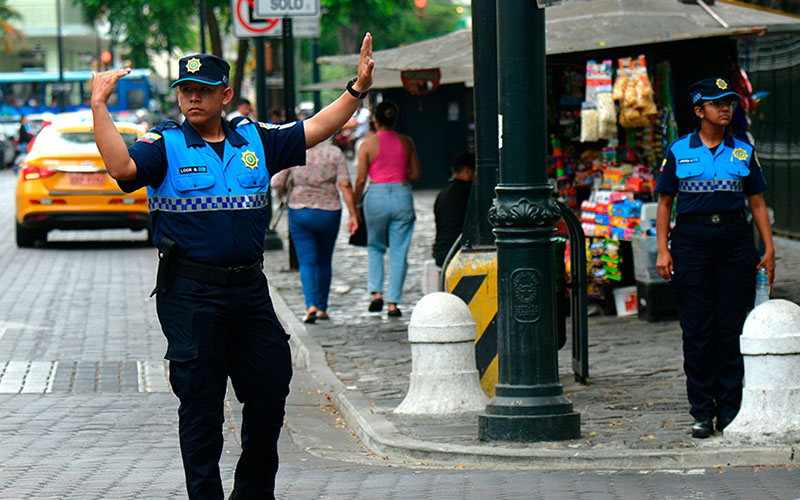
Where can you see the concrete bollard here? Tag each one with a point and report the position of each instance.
(444, 381)
(770, 345)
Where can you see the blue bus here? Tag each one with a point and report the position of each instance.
(27, 92)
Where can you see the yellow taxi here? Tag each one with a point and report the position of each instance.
(63, 184)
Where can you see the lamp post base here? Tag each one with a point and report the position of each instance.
(529, 428)
(525, 413)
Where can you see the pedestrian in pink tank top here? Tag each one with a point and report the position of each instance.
(389, 160)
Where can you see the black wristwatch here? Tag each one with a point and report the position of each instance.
(353, 92)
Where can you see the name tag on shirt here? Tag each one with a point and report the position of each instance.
(192, 170)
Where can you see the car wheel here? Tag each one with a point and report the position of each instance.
(27, 239)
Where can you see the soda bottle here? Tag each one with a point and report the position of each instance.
(762, 286)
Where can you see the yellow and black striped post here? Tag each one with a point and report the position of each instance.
(472, 276)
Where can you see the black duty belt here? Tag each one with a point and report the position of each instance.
(226, 276)
(713, 219)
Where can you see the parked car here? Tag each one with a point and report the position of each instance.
(63, 184)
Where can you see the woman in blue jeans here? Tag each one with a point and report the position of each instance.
(390, 160)
(314, 215)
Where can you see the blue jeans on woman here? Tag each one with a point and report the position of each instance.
(314, 234)
(389, 215)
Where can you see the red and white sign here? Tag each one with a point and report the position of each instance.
(421, 81)
(247, 24)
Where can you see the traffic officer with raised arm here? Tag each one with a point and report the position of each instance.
(712, 260)
(207, 182)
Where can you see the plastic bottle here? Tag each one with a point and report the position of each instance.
(762, 286)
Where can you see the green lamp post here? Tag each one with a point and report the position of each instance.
(529, 403)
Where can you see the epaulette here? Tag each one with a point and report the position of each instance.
(167, 124)
(241, 120)
(268, 125)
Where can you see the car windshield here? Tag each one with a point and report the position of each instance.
(77, 142)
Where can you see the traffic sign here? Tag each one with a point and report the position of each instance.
(248, 24)
(287, 8)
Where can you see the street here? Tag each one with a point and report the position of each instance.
(86, 410)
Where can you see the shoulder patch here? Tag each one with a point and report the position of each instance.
(149, 138)
(268, 125)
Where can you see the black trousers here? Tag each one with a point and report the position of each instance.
(215, 332)
(714, 287)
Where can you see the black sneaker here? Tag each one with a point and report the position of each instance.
(395, 313)
(702, 428)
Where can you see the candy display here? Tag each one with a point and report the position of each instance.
(611, 123)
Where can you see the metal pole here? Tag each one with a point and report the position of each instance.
(203, 26)
(60, 38)
(288, 103)
(477, 232)
(315, 78)
(271, 239)
(288, 70)
(529, 402)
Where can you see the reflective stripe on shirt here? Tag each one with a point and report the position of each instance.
(207, 203)
(706, 186)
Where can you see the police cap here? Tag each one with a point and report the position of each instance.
(203, 68)
(709, 89)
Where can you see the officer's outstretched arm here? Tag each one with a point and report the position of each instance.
(325, 123)
(112, 147)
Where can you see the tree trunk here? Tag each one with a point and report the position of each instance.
(213, 32)
(238, 76)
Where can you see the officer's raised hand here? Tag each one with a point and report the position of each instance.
(112, 147)
(103, 84)
(366, 66)
(325, 123)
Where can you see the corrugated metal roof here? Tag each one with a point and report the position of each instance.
(581, 25)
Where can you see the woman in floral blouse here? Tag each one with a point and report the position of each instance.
(314, 216)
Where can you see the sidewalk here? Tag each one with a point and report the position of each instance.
(634, 412)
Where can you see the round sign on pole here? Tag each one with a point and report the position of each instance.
(245, 22)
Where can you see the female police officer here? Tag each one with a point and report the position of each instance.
(207, 183)
(712, 259)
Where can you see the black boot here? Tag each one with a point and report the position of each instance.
(703, 427)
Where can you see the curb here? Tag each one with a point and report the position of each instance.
(381, 436)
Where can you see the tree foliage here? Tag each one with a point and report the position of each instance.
(9, 35)
(146, 27)
(391, 22)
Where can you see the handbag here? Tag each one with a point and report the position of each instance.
(359, 238)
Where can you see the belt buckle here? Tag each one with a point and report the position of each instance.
(716, 219)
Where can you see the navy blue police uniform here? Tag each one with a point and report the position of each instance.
(714, 258)
(209, 210)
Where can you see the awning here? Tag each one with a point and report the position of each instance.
(582, 25)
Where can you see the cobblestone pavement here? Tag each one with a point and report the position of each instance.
(635, 398)
(86, 412)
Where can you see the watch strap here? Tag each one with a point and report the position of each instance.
(353, 92)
